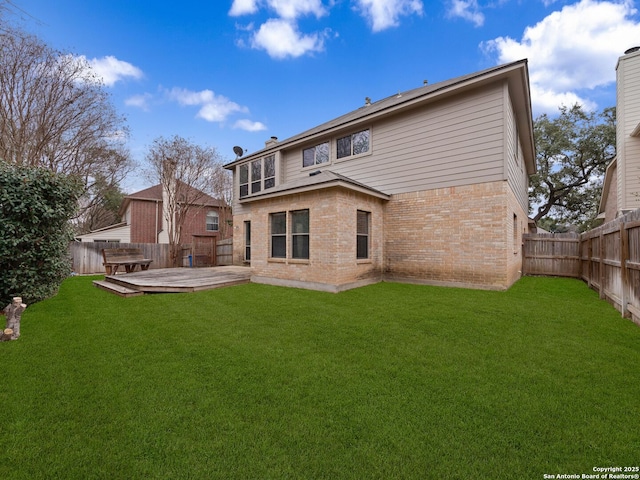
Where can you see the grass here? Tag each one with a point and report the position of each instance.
(386, 381)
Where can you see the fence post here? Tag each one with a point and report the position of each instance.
(601, 267)
(624, 256)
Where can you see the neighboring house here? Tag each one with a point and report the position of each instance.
(427, 186)
(143, 221)
(621, 189)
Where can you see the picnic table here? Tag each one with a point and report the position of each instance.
(130, 258)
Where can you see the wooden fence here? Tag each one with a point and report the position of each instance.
(86, 257)
(224, 252)
(610, 263)
(607, 258)
(553, 254)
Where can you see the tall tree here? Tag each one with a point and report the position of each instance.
(573, 151)
(56, 114)
(186, 172)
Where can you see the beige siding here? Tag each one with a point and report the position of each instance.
(628, 148)
(610, 205)
(450, 143)
(121, 234)
(516, 172)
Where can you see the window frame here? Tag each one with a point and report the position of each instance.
(302, 235)
(315, 155)
(256, 181)
(215, 224)
(247, 241)
(351, 136)
(279, 235)
(241, 168)
(360, 235)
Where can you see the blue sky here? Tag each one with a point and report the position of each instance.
(236, 72)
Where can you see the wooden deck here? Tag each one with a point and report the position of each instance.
(174, 280)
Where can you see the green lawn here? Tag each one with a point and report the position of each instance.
(260, 382)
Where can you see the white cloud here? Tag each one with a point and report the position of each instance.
(292, 9)
(249, 125)
(112, 70)
(548, 100)
(289, 9)
(282, 39)
(570, 50)
(467, 10)
(213, 108)
(383, 14)
(243, 7)
(140, 101)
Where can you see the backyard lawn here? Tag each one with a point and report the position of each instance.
(260, 382)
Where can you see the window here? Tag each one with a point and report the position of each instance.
(244, 180)
(353, 144)
(279, 235)
(363, 221)
(256, 176)
(247, 241)
(315, 155)
(516, 235)
(269, 172)
(300, 234)
(259, 174)
(212, 221)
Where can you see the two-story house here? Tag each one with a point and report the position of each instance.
(144, 221)
(427, 186)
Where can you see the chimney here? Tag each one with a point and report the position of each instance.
(272, 141)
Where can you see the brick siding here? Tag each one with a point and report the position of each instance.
(454, 236)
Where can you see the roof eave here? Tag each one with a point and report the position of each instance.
(314, 187)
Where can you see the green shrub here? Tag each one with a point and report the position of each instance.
(35, 208)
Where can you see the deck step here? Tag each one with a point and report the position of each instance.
(117, 289)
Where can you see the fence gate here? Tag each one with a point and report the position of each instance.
(204, 251)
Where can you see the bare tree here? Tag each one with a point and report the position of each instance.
(221, 186)
(102, 210)
(185, 172)
(56, 114)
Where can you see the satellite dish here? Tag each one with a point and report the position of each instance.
(238, 151)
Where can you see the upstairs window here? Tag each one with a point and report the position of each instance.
(269, 172)
(244, 180)
(212, 221)
(315, 155)
(354, 144)
(257, 176)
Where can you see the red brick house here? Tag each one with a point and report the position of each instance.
(143, 221)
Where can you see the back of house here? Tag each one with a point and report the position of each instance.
(428, 186)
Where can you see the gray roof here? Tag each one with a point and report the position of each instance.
(392, 102)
